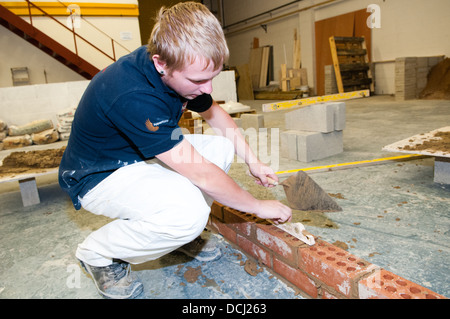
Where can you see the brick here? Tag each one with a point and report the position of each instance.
(223, 229)
(383, 284)
(217, 210)
(279, 241)
(296, 277)
(239, 221)
(334, 267)
(254, 250)
(328, 295)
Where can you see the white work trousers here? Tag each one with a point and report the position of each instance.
(156, 210)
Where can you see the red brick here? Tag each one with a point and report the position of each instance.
(383, 284)
(224, 230)
(217, 210)
(327, 295)
(254, 250)
(239, 221)
(296, 277)
(279, 241)
(333, 266)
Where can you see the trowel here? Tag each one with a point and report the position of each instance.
(303, 193)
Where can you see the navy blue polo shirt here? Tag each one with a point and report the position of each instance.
(126, 115)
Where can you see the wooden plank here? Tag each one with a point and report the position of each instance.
(337, 70)
(244, 83)
(354, 67)
(348, 39)
(297, 57)
(367, 60)
(255, 66)
(264, 66)
(284, 86)
(267, 95)
(351, 52)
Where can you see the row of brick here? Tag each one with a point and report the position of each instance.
(319, 271)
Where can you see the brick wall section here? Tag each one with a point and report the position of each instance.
(319, 271)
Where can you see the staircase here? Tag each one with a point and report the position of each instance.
(40, 40)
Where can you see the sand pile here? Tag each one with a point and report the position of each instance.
(438, 84)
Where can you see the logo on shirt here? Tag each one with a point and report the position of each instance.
(149, 125)
(153, 127)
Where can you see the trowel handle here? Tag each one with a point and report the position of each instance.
(270, 180)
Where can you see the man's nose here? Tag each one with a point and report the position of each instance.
(206, 87)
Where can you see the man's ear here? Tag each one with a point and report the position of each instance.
(159, 64)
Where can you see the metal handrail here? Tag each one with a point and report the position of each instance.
(75, 35)
(96, 28)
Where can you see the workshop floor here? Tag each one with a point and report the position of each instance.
(393, 216)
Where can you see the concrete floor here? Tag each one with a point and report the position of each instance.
(393, 216)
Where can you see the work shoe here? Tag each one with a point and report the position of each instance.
(202, 250)
(115, 281)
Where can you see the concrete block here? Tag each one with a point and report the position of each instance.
(292, 146)
(284, 144)
(238, 121)
(315, 145)
(339, 115)
(313, 118)
(288, 141)
(29, 192)
(252, 120)
(442, 170)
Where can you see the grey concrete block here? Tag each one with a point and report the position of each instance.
(313, 118)
(284, 144)
(29, 192)
(442, 170)
(238, 121)
(252, 120)
(315, 145)
(339, 115)
(308, 146)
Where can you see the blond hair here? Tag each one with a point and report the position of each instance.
(186, 31)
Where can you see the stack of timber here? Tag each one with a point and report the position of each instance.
(293, 79)
(351, 64)
(296, 77)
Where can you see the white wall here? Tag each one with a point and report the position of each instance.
(20, 105)
(16, 52)
(23, 104)
(408, 28)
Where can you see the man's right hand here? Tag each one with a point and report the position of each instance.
(273, 210)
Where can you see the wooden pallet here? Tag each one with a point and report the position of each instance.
(351, 64)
